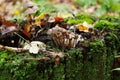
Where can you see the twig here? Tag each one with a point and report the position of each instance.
(22, 37)
(13, 48)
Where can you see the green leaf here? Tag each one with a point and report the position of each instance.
(116, 69)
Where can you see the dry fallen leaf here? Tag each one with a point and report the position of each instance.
(58, 19)
(27, 27)
(38, 19)
(26, 33)
(84, 27)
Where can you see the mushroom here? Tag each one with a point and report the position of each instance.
(29, 12)
(8, 29)
(28, 4)
(35, 8)
(64, 38)
(31, 9)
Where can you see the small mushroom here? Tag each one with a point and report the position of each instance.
(8, 29)
(51, 20)
(35, 8)
(28, 4)
(31, 9)
(46, 17)
(29, 12)
(64, 38)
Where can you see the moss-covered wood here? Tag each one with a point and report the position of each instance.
(94, 63)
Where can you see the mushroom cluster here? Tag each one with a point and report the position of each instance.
(64, 38)
(31, 8)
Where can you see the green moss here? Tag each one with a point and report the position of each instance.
(77, 21)
(80, 18)
(110, 18)
(83, 16)
(94, 64)
(105, 24)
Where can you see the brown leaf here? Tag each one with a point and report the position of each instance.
(7, 23)
(58, 19)
(26, 33)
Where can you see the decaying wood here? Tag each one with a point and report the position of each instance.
(49, 54)
(13, 48)
(37, 59)
(55, 54)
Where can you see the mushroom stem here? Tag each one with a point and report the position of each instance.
(30, 18)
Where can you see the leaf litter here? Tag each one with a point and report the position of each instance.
(37, 33)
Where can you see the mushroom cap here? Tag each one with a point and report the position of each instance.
(35, 8)
(9, 29)
(32, 10)
(28, 4)
(29, 11)
(51, 19)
